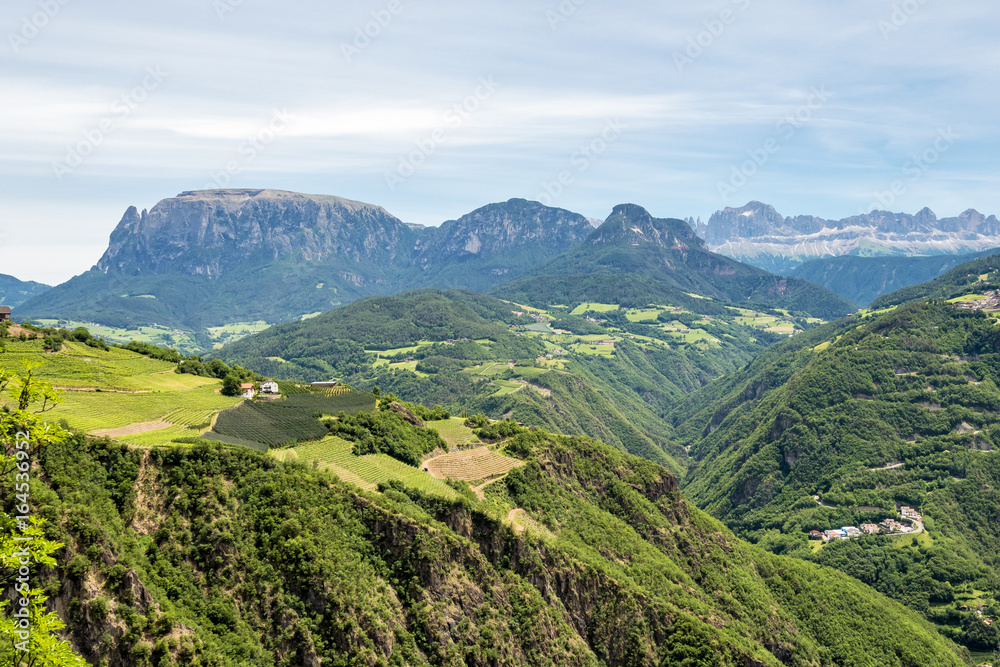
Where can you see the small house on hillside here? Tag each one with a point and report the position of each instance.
(4, 313)
(269, 387)
(248, 389)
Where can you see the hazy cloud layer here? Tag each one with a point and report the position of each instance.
(815, 107)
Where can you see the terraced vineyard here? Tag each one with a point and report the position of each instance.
(90, 410)
(454, 432)
(334, 454)
(474, 464)
(294, 419)
(78, 365)
(271, 424)
(190, 417)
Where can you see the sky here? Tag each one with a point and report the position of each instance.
(433, 109)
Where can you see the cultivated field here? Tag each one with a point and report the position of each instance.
(454, 432)
(334, 454)
(471, 465)
(117, 388)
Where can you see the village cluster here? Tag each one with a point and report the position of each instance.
(887, 527)
(990, 303)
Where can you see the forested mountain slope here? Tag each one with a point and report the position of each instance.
(13, 292)
(977, 276)
(847, 423)
(864, 279)
(225, 557)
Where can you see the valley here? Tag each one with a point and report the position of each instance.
(616, 423)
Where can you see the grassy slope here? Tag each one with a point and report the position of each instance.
(115, 388)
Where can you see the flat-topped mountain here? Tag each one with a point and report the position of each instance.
(215, 232)
(214, 257)
(758, 234)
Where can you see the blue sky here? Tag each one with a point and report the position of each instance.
(434, 109)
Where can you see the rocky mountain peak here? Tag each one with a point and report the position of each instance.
(501, 229)
(630, 224)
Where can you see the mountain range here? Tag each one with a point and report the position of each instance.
(14, 292)
(759, 235)
(213, 258)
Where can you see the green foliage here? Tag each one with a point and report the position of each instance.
(385, 432)
(28, 629)
(153, 351)
(477, 421)
(500, 430)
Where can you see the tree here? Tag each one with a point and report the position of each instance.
(27, 629)
(231, 385)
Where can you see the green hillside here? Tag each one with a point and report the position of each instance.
(846, 424)
(116, 391)
(14, 292)
(970, 278)
(609, 370)
(227, 557)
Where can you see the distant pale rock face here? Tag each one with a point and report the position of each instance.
(215, 231)
(759, 235)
